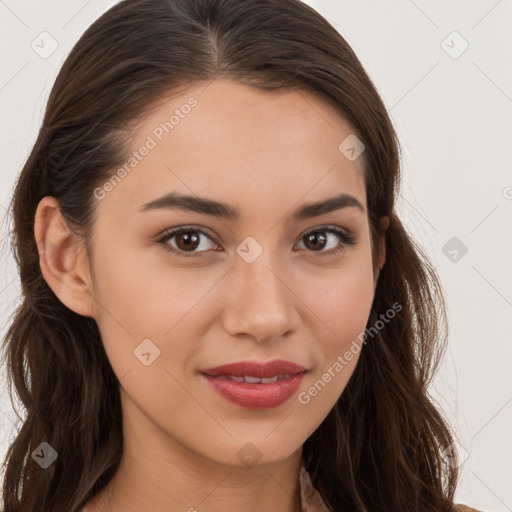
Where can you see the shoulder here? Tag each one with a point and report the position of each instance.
(465, 508)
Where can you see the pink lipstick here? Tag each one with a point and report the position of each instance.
(256, 385)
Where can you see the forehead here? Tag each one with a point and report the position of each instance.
(233, 142)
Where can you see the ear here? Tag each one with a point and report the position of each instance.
(384, 224)
(63, 258)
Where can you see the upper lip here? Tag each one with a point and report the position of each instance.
(256, 369)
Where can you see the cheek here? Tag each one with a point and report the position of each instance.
(139, 302)
(342, 299)
(342, 303)
(337, 352)
(145, 297)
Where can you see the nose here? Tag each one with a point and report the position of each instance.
(261, 303)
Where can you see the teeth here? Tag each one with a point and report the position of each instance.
(232, 377)
(251, 380)
(254, 380)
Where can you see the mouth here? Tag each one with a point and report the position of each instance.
(256, 385)
(248, 379)
(256, 370)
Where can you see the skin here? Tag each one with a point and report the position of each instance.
(266, 153)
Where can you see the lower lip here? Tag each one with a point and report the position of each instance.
(256, 396)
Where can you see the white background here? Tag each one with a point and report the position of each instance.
(453, 117)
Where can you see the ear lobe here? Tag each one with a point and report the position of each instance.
(62, 258)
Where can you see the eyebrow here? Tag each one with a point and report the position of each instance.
(175, 201)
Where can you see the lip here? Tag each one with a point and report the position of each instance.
(256, 369)
(257, 395)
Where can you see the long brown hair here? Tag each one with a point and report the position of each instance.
(381, 446)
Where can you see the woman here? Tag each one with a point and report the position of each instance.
(221, 308)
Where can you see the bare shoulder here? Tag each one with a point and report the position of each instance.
(89, 507)
(93, 504)
(465, 508)
(458, 508)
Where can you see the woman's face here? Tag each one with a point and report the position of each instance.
(263, 283)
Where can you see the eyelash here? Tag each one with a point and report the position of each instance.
(347, 239)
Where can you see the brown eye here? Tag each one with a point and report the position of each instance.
(185, 241)
(330, 237)
(315, 240)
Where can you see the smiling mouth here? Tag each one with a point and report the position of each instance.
(254, 384)
(251, 370)
(248, 379)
